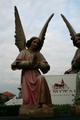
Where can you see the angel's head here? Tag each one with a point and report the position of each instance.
(76, 40)
(34, 43)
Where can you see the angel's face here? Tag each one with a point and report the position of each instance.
(77, 40)
(35, 43)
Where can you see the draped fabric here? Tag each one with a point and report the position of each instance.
(35, 90)
(31, 83)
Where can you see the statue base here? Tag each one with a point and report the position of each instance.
(34, 112)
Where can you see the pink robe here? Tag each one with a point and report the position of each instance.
(35, 90)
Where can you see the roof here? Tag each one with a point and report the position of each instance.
(14, 101)
(8, 94)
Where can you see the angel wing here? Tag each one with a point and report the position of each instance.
(69, 26)
(44, 29)
(20, 40)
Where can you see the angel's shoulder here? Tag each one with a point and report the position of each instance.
(40, 55)
(23, 51)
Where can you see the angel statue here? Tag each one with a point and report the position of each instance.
(35, 90)
(75, 64)
(75, 68)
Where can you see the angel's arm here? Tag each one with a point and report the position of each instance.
(22, 63)
(42, 63)
(18, 60)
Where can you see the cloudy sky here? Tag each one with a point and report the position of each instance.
(58, 48)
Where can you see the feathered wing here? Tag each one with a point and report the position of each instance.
(69, 26)
(44, 29)
(20, 40)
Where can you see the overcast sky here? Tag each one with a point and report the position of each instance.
(58, 49)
